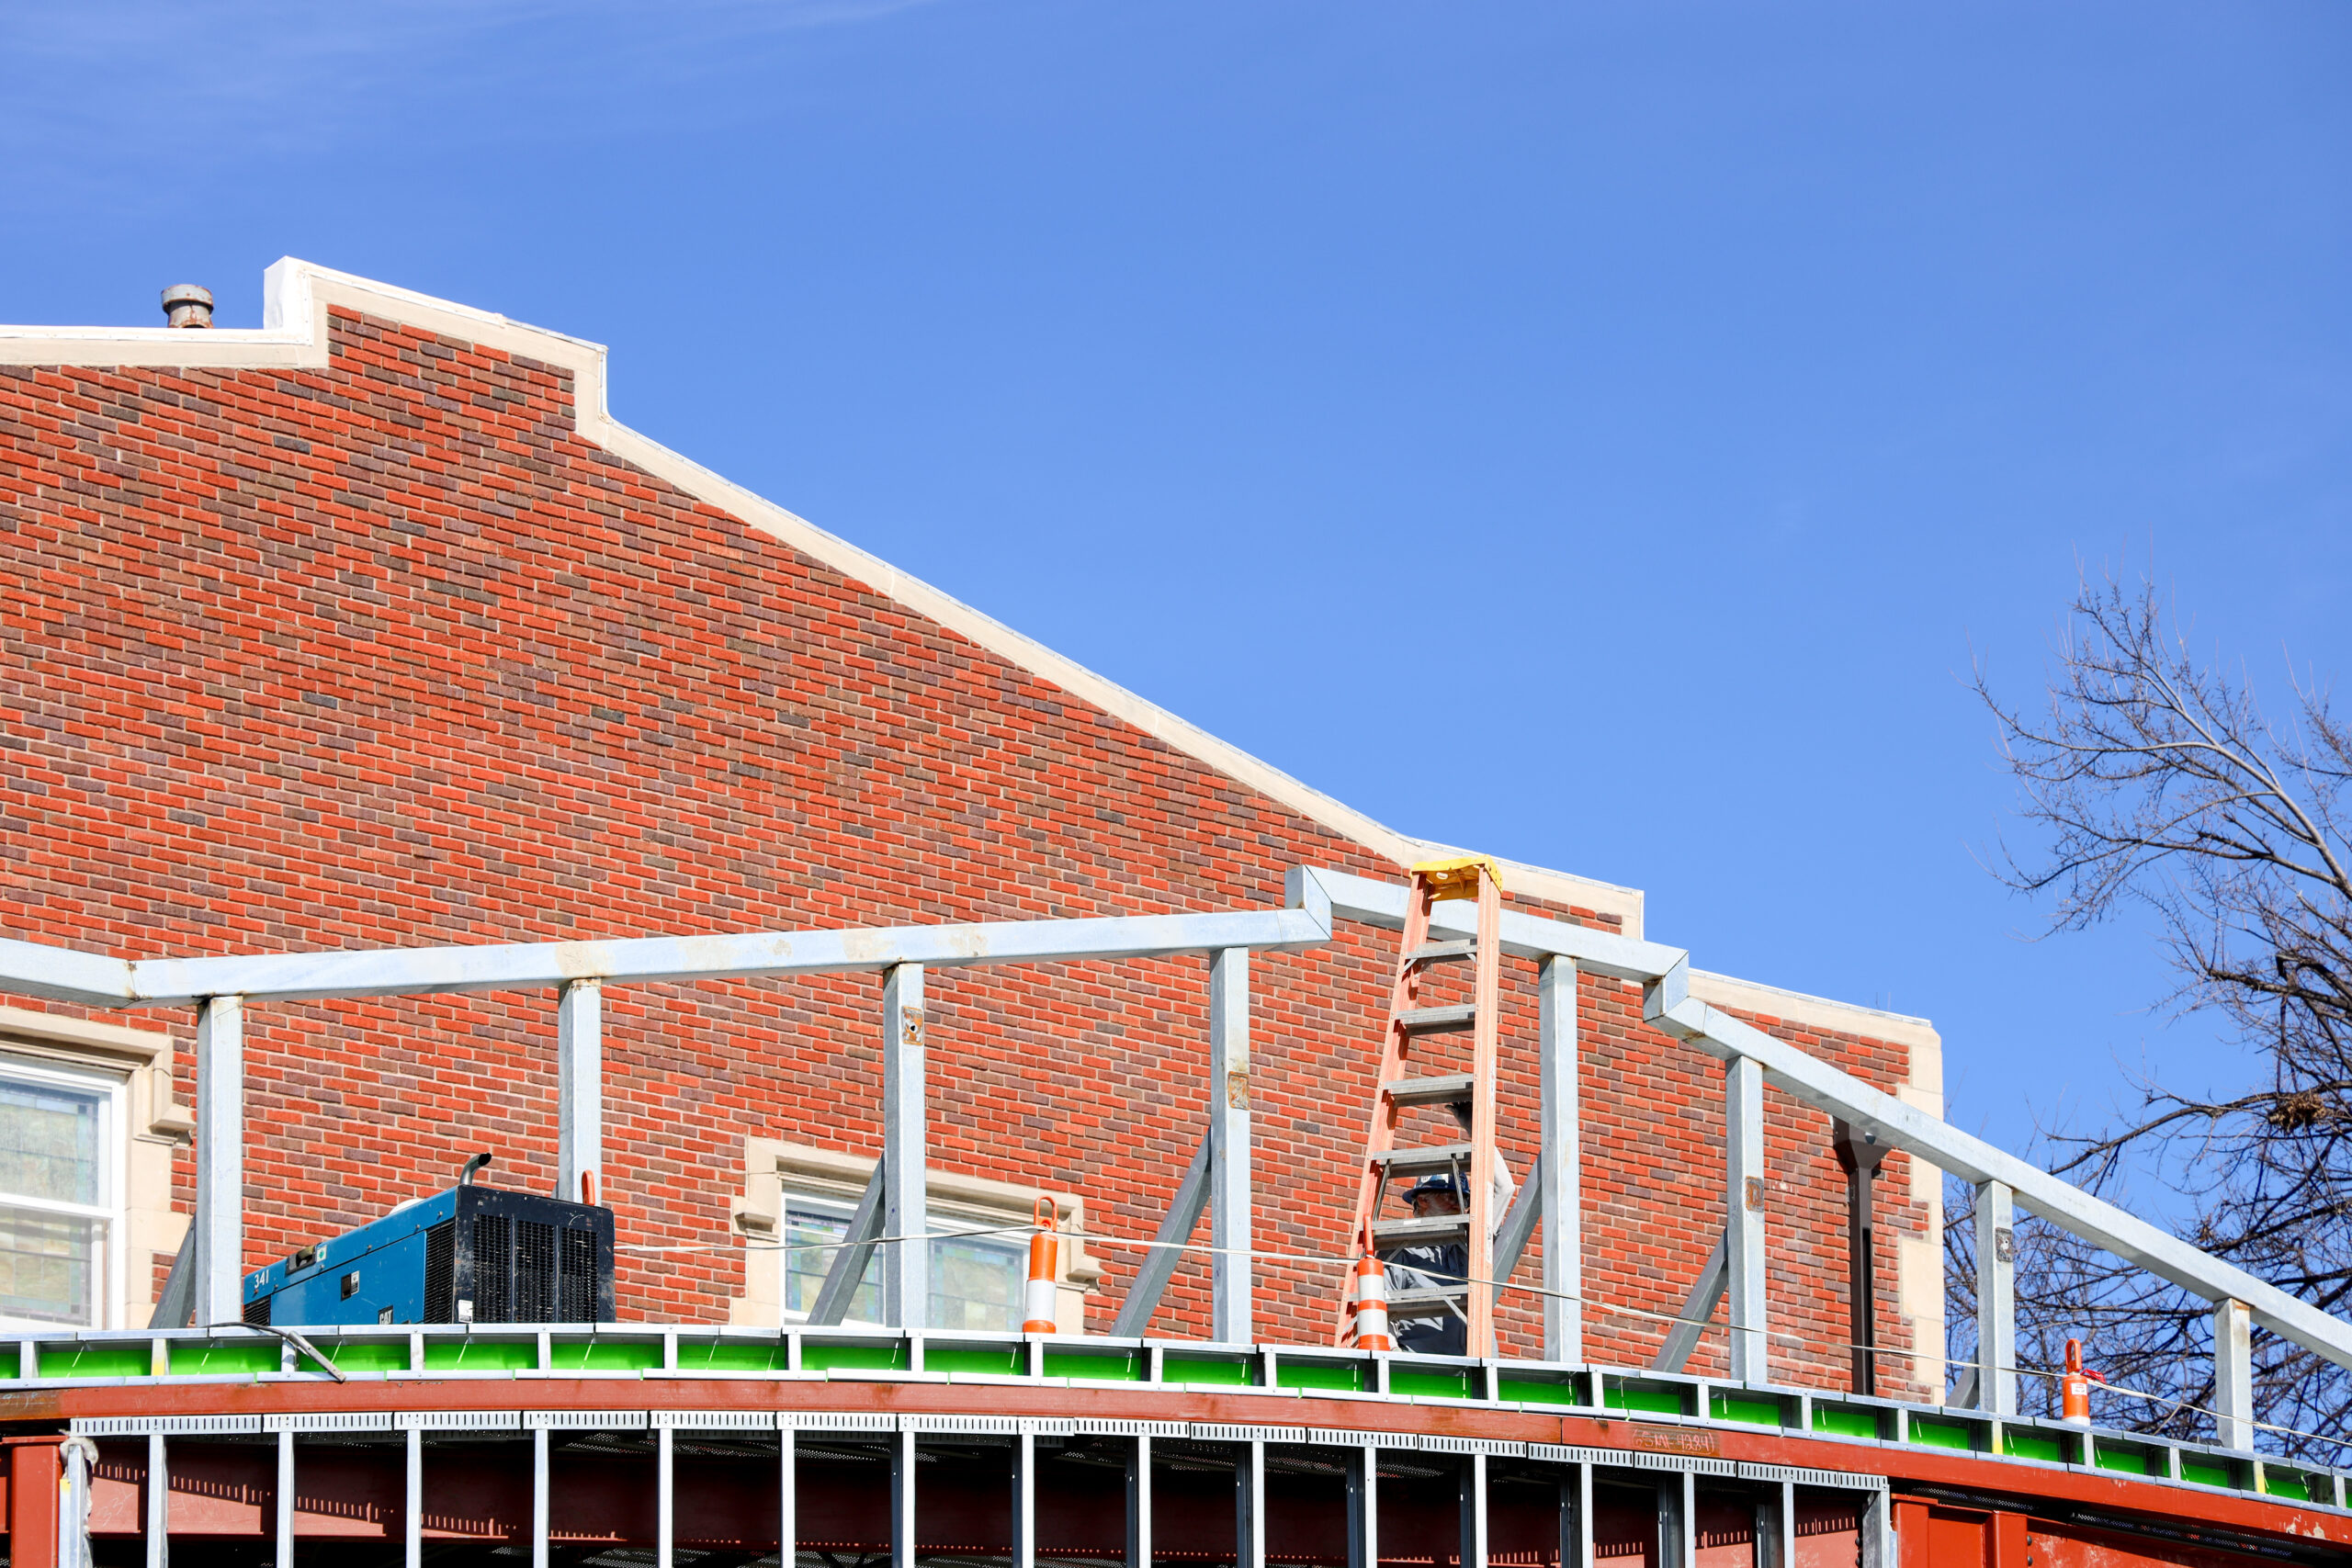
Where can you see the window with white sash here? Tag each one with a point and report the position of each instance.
(62, 1157)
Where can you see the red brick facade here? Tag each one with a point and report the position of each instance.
(385, 653)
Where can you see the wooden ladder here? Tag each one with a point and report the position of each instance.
(1470, 1095)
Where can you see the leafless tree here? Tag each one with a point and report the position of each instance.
(2160, 785)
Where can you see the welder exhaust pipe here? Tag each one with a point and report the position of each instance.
(466, 1171)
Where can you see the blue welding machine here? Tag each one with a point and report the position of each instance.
(469, 1255)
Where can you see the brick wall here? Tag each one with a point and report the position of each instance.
(385, 653)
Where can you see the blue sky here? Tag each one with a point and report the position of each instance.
(1734, 372)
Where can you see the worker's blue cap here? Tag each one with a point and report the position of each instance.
(1432, 1185)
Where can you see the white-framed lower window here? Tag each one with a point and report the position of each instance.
(62, 1178)
(796, 1207)
(976, 1281)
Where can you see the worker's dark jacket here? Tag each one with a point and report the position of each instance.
(1423, 1268)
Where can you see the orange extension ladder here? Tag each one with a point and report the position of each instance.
(1470, 1095)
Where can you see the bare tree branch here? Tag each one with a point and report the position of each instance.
(2157, 784)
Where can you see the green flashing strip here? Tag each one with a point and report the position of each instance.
(597, 1354)
(1431, 1384)
(108, 1360)
(2027, 1443)
(974, 1358)
(1844, 1421)
(2278, 1482)
(1645, 1399)
(733, 1355)
(488, 1356)
(242, 1356)
(1230, 1371)
(1540, 1391)
(884, 1356)
(2126, 1459)
(1738, 1407)
(1346, 1377)
(2206, 1472)
(1131, 1366)
(364, 1355)
(1932, 1433)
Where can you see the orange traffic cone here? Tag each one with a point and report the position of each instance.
(2074, 1388)
(1038, 1306)
(1372, 1306)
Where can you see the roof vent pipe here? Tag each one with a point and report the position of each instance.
(185, 305)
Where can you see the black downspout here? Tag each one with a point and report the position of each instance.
(1858, 1156)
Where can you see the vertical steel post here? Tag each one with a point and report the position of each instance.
(1472, 1482)
(1576, 1517)
(665, 1497)
(1878, 1531)
(540, 1480)
(1859, 1156)
(788, 1524)
(159, 1502)
(1996, 1300)
(2233, 1375)
(1250, 1507)
(1744, 1252)
(1024, 1500)
(1229, 1230)
(1776, 1526)
(412, 1514)
(906, 1263)
(1677, 1520)
(1363, 1507)
(286, 1499)
(1139, 1504)
(580, 1089)
(1559, 1132)
(220, 1160)
(902, 1500)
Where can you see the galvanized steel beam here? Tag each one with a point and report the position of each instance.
(1558, 1175)
(1996, 1300)
(580, 1090)
(847, 1269)
(62, 974)
(1229, 1182)
(1160, 1262)
(1744, 1241)
(1312, 889)
(2233, 1376)
(220, 1161)
(1698, 1309)
(1668, 1005)
(415, 971)
(906, 1215)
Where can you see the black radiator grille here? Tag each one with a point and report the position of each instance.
(578, 1303)
(441, 1273)
(534, 1272)
(257, 1313)
(493, 1269)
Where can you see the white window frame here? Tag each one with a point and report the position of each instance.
(111, 1091)
(147, 1128)
(776, 1170)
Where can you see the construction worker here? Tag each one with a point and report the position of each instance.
(1432, 1267)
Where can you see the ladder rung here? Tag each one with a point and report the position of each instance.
(1440, 951)
(1406, 1305)
(1404, 1164)
(1438, 1020)
(1436, 1231)
(1451, 1090)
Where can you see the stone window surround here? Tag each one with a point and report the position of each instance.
(156, 1122)
(774, 1166)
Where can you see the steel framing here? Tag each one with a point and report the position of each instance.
(1665, 973)
(222, 987)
